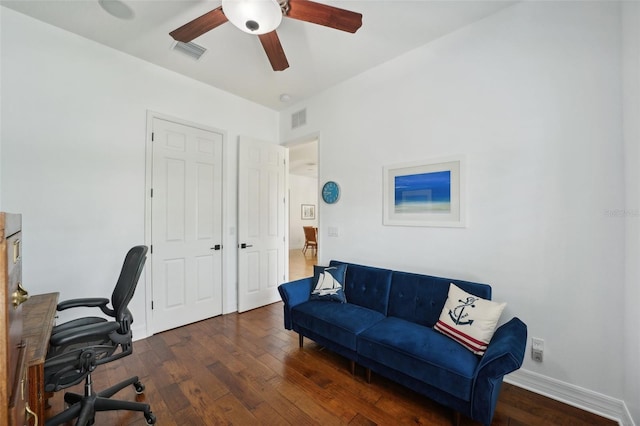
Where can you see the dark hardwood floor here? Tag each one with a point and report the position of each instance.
(245, 369)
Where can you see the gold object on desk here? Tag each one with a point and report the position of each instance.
(19, 296)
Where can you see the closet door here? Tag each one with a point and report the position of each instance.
(186, 224)
(262, 213)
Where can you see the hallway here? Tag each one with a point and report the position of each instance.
(301, 265)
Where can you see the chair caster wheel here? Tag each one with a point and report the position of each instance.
(139, 387)
(151, 419)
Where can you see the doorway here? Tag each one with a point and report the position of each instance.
(303, 205)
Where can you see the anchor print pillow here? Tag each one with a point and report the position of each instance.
(328, 283)
(469, 320)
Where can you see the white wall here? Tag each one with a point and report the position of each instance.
(631, 216)
(73, 145)
(302, 190)
(532, 97)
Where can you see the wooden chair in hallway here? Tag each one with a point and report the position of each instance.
(311, 239)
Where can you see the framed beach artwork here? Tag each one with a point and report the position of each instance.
(425, 193)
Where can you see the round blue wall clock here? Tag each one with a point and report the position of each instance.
(330, 192)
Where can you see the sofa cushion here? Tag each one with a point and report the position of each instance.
(339, 322)
(420, 298)
(421, 353)
(328, 283)
(469, 320)
(367, 286)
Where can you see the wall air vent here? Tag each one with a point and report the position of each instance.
(190, 49)
(299, 118)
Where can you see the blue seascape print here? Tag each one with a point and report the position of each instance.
(423, 193)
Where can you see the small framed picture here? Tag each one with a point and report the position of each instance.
(308, 211)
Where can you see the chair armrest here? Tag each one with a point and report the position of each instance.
(293, 293)
(93, 302)
(504, 354)
(83, 333)
(90, 302)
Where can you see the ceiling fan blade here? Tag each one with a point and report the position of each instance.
(275, 52)
(199, 26)
(322, 14)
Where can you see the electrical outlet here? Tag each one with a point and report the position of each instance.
(537, 344)
(536, 355)
(537, 349)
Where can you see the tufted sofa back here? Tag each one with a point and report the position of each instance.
(367, 286)
(412, 297)
(420, 298)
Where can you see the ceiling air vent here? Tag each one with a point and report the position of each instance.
(299, 118)
(190, 49)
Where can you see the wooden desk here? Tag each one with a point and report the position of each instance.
(38, 319)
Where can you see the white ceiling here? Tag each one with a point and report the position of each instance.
(319, 57)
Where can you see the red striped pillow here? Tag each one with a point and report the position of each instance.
(469, 320)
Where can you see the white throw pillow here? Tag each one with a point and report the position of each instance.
(469, 320)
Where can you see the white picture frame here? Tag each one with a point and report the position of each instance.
(307, 211)
(425, 193)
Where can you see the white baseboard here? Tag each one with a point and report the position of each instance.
(139, 332)
(602, 405)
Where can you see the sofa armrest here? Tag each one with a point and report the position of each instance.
(508, 341)
(293, 293)
(504, 354)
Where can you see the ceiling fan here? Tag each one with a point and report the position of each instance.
(262, 17)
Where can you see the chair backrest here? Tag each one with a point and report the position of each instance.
(309, 234)
(129, 275)
(69, 364)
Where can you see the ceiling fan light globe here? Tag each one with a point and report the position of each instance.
(253, 16)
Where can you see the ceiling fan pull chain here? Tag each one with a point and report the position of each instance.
(284, 5)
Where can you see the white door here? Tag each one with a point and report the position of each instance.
(186, 224)
(262, 214)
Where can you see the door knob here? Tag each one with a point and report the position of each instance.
(243, 245)
(217, 247)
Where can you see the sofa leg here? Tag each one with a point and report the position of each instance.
(300, 340)
(352, 367)
(456, 418)
(368, 375)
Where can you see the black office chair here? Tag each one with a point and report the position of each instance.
(79, 346)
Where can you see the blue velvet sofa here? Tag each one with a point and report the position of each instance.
(387, 327)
